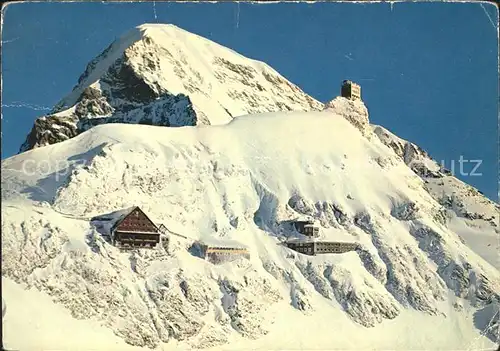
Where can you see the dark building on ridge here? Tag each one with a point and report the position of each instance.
(350, 90)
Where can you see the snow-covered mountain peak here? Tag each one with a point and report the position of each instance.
(163, 75)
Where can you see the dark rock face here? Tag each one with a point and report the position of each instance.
(168, 111)
(92, 64)
(92, 103)
(487, 320)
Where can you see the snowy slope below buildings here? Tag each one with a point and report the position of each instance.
(241, 182)
(159, 74)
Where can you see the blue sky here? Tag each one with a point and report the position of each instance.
(428, 71)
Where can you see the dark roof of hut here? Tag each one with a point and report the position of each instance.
(115, 218)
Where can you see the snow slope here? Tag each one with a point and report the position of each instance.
(241, 182)
(159, 74)
(34, 322)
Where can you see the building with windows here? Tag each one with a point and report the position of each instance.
(130, 228)
(306, 247)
